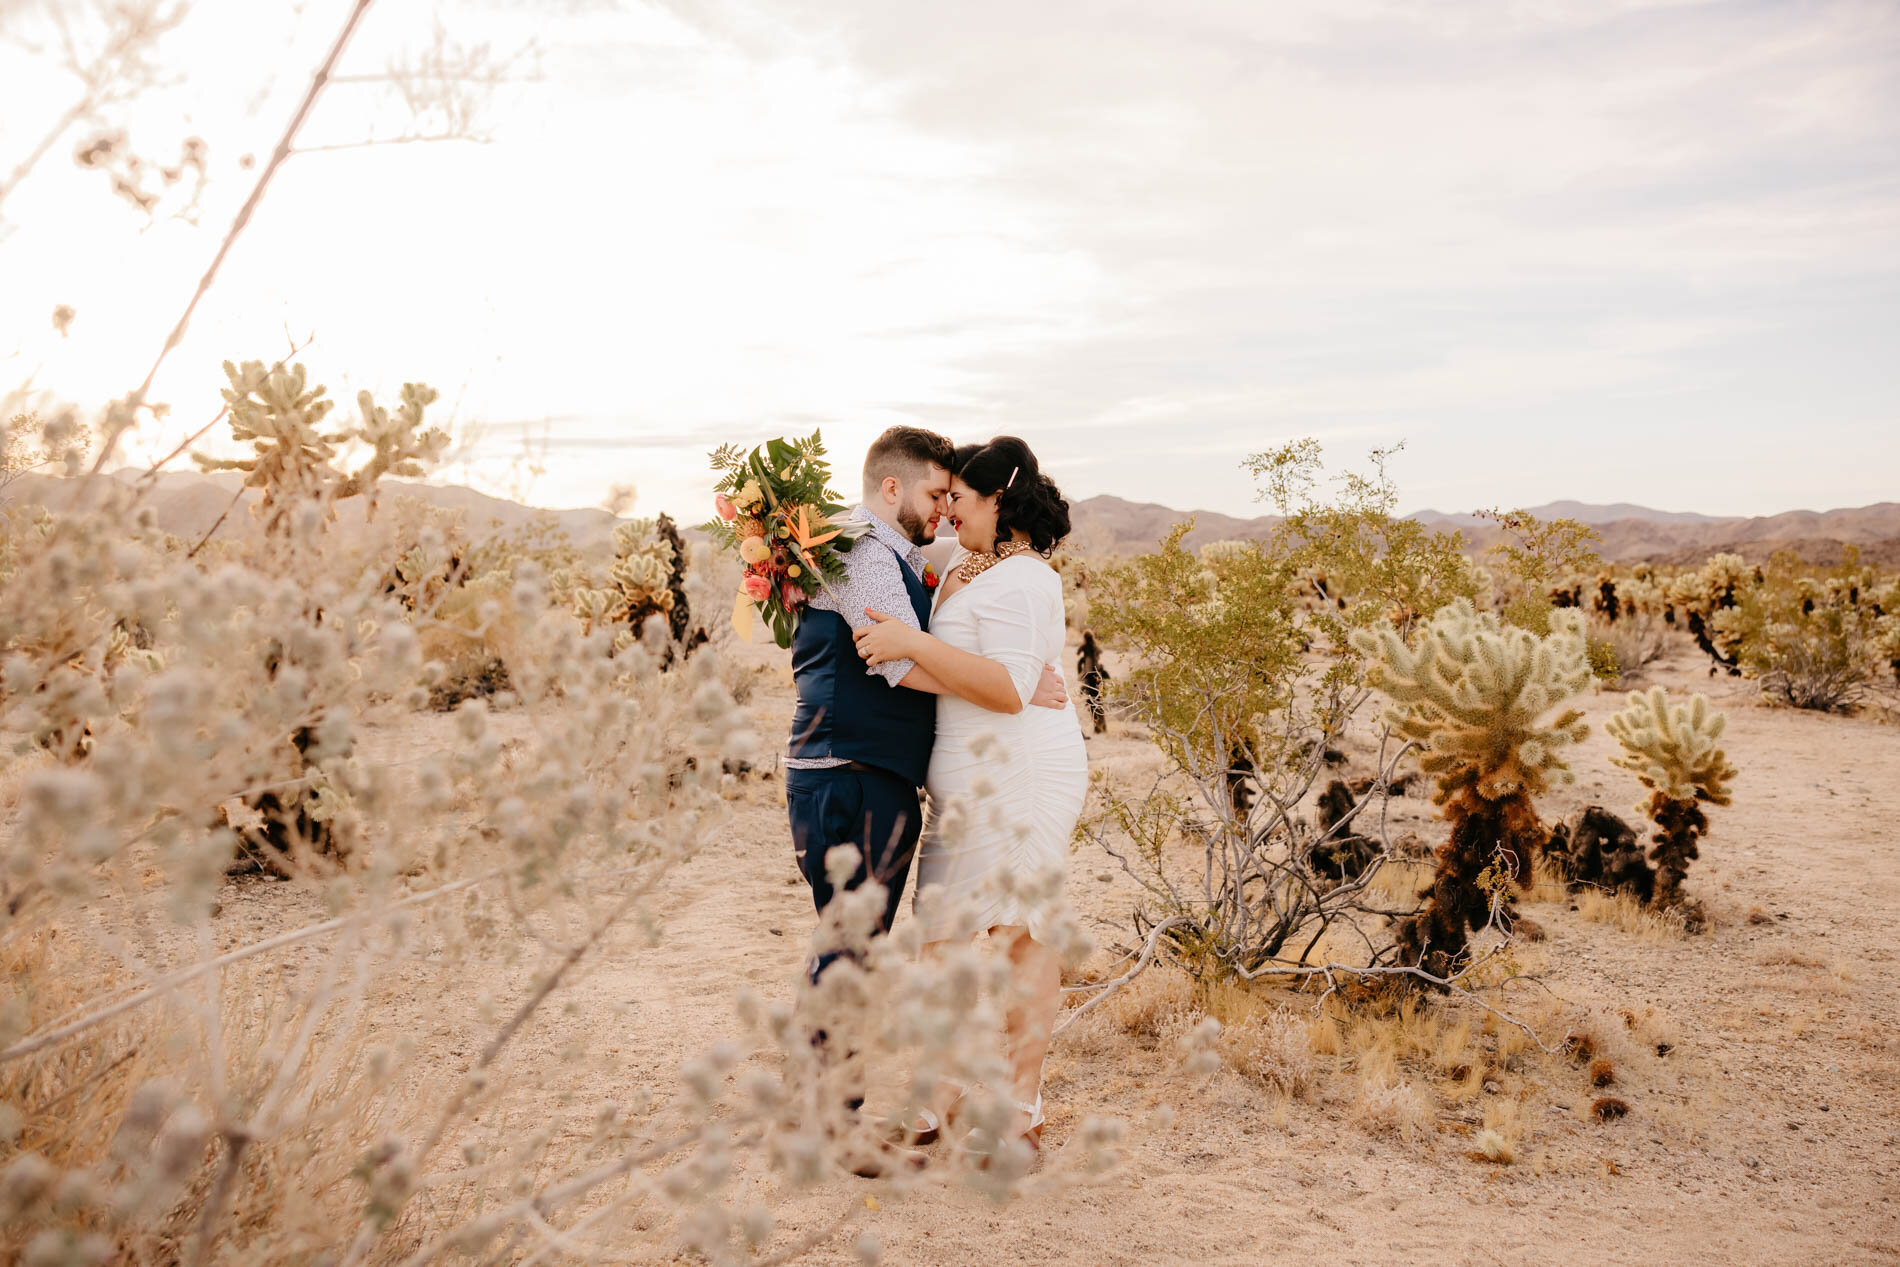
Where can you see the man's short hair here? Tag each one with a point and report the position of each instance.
(904, 452)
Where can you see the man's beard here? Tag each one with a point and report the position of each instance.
(913, 525)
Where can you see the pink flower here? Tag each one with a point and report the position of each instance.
(791, 595)
(756, 587)
(723, 504)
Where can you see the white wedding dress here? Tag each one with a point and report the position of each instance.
(1005, 789)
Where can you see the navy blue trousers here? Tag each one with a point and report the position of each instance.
(873, 809)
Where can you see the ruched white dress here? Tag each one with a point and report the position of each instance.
(1005, 788)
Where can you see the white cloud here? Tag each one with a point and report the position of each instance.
(1214, 221)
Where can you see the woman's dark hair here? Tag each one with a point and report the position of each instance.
(1031, 503)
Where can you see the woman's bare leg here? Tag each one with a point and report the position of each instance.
(1036, 994)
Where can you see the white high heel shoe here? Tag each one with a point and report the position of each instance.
(927, 1129)
(1032, 1134)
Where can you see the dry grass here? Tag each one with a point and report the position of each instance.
(1156, 1005)
(1394, 1109)
(1626, 913)
(69, 1100)
(1274, 1049)
(1400, 882)
(78, 1105)
(1790, 958)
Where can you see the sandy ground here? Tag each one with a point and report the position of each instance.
(1769, 1133)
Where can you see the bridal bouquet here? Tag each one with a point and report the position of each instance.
(776, 512)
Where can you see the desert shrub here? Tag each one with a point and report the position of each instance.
(1530, 559)
(1367, 562)
(235, 1112)
(453, 585)
(1628, 646)
(1813, 640)
(1243, 719)
(1392, 1107)
(1226, 676)
(1273, 1049)
(1475, 694)
(1672, 748)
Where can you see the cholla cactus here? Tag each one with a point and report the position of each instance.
(1641, 593)
(1474, 694)
(1672, 748)
(280, 416)
(596, 608)
(648, 579)
(1887, 637)
(643, 569)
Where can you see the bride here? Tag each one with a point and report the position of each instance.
(1006, 781)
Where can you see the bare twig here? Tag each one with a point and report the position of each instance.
(1109, 987)
(283, 151)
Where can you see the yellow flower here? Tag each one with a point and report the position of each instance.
(754, 550)
(793, 571)
(748, 494)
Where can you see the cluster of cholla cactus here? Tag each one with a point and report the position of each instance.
(433, 558)
(1613, 596)
(1813, 638)
(1674, 749)
(647, 581)
(1477, 696)
(1694, 598)
(276, 411)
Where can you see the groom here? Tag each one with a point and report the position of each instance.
(861, 737)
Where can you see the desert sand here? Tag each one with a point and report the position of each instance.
(1767, 1133)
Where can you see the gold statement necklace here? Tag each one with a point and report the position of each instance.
(981, 562)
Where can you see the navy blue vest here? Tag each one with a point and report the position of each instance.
(847, 713)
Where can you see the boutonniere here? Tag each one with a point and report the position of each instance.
(930, 577)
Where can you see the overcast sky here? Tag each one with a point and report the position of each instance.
(1610, 251)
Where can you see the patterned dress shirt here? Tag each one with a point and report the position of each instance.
(871, 579)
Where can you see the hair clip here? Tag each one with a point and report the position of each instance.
(1012, 477)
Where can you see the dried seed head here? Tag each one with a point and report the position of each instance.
(755, 1224)
(181, 1146)
(24, 1183)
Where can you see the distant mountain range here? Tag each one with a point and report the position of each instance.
(188, 503)
(1630, 533)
